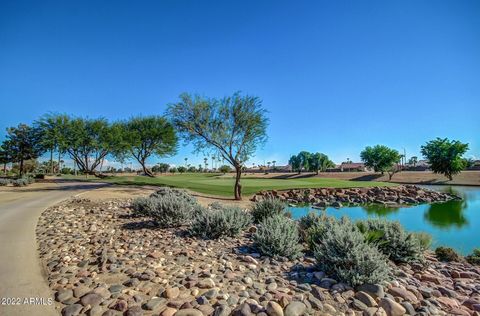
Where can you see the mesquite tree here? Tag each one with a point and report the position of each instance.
(143, 137)
(445, 156)
(51, 128)
(89, 141)
(233, 127)
(381, 159)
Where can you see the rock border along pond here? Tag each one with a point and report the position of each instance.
(388, 196)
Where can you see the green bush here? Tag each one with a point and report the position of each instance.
(277, 235)
(216, 223)
(341, 251)
(167, 207)
(4, 182)
(392, 240)
(474, 258)
(268, 207)
(447, 254)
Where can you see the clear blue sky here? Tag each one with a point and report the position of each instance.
(335, 76)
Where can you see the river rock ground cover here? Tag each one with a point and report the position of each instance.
(101, 260)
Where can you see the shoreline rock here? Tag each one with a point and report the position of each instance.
(388, 196)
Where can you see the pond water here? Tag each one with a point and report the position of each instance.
(454, 224)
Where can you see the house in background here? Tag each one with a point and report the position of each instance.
(352, 167)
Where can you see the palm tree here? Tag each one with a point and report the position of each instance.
(205, 160)
(213, 165)
(273, 163)
(186, 159)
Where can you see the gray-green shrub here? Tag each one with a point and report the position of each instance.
(20, 182)
(4, 182)
(268, 207)
(341, 251)
(277, 235)
(218, 222)
(392, 240)
(180, 193)
(167, 207)
(313, 226)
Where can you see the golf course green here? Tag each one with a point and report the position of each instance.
(222, 185)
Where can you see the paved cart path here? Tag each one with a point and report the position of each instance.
(21, 274)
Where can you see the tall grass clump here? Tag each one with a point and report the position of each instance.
(4, 182)
(393, 240)
(268, 207)
(167, 207)
(277, 235)
(340, 250)
(220, 221)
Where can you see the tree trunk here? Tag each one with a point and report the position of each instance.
(59, 159)
(21, 167)
(145, 169)
(51, 161)
(238, 187)
(5, 168)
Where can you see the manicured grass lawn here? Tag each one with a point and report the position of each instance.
(215, 184)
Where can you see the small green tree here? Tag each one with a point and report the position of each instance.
(295, 163)
(320, 162)
(445, 156)
(381, 159)
(182, 169)
(23, 144)
(5, 155)
(304, 157)
(161, 167)
(233, 127)
(224, 169)
(143, 137)
(413, 161)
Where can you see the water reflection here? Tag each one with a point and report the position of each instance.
(379, 210)
(447, 215)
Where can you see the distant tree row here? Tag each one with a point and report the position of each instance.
(88, 141)
(313, 162)
(444, 156)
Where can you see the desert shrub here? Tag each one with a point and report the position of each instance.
(215, 205)
(277, 235)
(29, 180)
(340, 250)
(424, 239)
(141, 206)
(180, 193)
(447, 254)
(268, 207)
(167, 207)
(4, 182)
(39, 176)
(20, 182)
(218, 222)
(392, 240)
(474, 257)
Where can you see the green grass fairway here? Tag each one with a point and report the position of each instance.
(216, 184)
